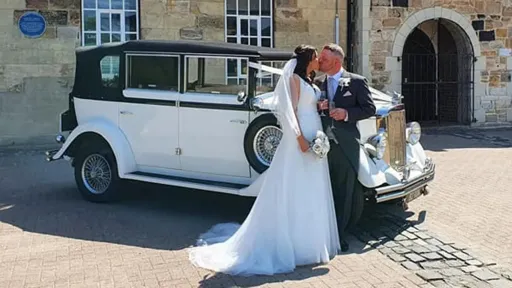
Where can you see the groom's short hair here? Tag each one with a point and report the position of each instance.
(336, 50)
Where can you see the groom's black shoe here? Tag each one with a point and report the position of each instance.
(344, 246)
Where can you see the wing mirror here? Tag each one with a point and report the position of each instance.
(241, 96)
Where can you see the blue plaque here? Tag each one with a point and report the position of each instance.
(32, 24)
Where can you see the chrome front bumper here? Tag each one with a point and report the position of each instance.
(400, 190)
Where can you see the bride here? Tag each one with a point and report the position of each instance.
(292, 221)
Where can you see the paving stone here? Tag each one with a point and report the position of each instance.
(440, 284)
(412, 229)
(429, 275)
(433, 265)
(433, 248)
(407, 243)
(447, 255)
(448, 248)
(423, 235)
(410, 265)
(386, 250)
(449, 272)
(374, 243)
(400, 237)
(391, 244)
(485, 275)
(414, 257)
(505, 273)
(462, 256)
(432, 256)
(474, 262)
(434, 242)
(458, 246)
(466, 281)
(397, 257)
(455, 263)
(420, 242)
(401, 250)
(501, 283)
(469, 269)
(419, 249)
(409, 235)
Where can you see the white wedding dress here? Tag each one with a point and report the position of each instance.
(292, 221)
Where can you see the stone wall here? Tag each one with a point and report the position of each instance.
(35, 74)
(488, 25)
(295, 21)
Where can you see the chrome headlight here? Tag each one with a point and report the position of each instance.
(376, 145)
(413, 132)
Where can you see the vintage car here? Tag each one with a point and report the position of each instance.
(195, 114)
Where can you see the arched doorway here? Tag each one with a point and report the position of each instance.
(437, 74)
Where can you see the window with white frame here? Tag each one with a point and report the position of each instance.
(248, 22)
(109, 21)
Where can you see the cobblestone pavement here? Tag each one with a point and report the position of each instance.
(50, 237)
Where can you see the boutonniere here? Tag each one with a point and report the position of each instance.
(345, 82)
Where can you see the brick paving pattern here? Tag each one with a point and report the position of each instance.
(50, 237)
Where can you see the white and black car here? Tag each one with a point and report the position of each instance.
(195, 114)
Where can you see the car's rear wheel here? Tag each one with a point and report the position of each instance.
(96, 173)
(261, 140)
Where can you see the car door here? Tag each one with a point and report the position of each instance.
(212, 121)
(148, 114)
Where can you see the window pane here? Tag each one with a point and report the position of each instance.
(153, 72)
(89, 4)
(254, 41)
(89, 39)
(245, 41)
(105, 22)
(244, 27)
(105, 38)
(231, 7)
(265, 7)
(130, 5)
(131, 37)
(116, 22)
(232, 67)
(255, 7)
(231, 39)
(116, 37)
(244, 67)
(265, 27)
(130, 24)
(254, 28)
(232, 81)
(110, 71)
(231, 25)
(104, 4)
(208, 75)
(243, 9)
(265, 42)
(89, 20)
(117, 4)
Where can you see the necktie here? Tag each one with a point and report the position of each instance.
(331, 86)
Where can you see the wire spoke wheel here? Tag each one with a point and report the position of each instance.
(96, 174)
(265, 143)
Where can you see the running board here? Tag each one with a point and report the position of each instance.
(207, 185)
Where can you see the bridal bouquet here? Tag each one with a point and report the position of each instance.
(320, 145)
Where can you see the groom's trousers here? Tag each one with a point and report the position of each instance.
(343, 161)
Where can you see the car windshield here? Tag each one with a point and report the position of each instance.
(266, 77)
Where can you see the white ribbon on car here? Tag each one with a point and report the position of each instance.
(265, 68)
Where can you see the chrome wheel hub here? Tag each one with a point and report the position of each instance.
(265, 143)
(96, 174)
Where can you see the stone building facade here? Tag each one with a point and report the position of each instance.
(451, 59)
(36, 74)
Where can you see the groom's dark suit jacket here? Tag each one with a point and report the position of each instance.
(356, 98)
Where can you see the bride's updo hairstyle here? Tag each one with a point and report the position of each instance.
(304, 54)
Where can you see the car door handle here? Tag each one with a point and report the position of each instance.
(126, 113)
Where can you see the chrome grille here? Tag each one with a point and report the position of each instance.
(395, 128)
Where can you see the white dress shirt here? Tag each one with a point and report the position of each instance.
(332, 86)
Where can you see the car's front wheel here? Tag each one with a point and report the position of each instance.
(96, 173)
(261, 140)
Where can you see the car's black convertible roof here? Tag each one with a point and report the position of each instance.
(185, 47)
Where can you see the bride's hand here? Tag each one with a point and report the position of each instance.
(303, 143)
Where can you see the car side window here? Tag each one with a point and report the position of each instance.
(207, 75)
(157, 72)
(109, 66)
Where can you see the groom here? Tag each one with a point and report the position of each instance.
(353, 101)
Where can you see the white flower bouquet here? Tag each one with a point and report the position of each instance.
(320, 145)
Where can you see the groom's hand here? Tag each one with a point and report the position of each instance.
(323, 104)
(338, 114)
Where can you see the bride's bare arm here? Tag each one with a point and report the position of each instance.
(295, 92)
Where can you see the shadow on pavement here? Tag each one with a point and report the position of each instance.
(443, 139)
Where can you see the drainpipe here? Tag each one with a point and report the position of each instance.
(350, 62)
(336, 23)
